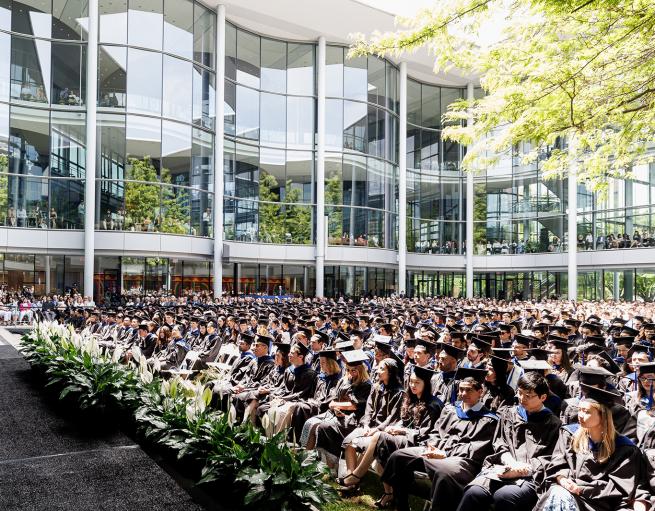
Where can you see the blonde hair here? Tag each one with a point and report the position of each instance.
(581, 438)
(362, 374)
(331, 366)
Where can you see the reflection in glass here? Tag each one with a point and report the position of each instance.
(4, 135)
(204, 97)
(29, 141)
(376, 81)
(300, 123)
(5, 15)
(272, 175)
(67, 139)
(355, 79)
(274, 65)
(204, 38)
(354, 126)
(229, 120)
(334, 124)
(248, 59)
(112, 76)
(111, 146)
(5, 60)
(247, 125)
(113, 21)
(300, 176)
(177, 89)
(32, 17)
(144, 92)
(431, 106)
(66, 197)
(176, 152)
(30, 69)
(230, 52)
(178, 28)
(143, 140)
(300, 72)
(413, 102)
(334, 72)
(27, 202)
(69, 19)
(273, 119)
(142, 14)
(202, 157)
(68, 74)
(246, 171)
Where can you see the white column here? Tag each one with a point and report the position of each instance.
(320, 167)
(572, 197)
(470, 245)
(402, 181)
(91, 110)
(219, 151)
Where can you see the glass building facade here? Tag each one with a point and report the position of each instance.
(158, 118)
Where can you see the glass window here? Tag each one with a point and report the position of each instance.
(375, 181)
(29, 141)
(246, 171)
(174, 216)
(144, 81)
(30, 69)
(334, 124)
(376, 81)
(111, 146)
(204, 38)
(66, 197)
(300, 123)
(113, 21)
(28, 197)
(202, 157)
(68, 74)
(449, 96)
(230, 52)
(248, 61)
(274, 65)
(413, 102)
(355, 117)
(112, 76)
(354, 180)
(176, 153)
(69, 19)
(178, 28)
(300, 74)
(333, 179)
(229, 121)
(145, 13)
(300, 176)
(5, 65)
(5, 15)
(247, 125)
(272, 179)
(111, 214)
(204, 97)
(4, 132)
(32, 17)
(273, 119)
(177, 89)
(355, 81)
(68, 147)
(392, 88)
(143, 142)
(334, 72)
(431, 107)
(142, 202)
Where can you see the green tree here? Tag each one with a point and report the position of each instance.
(334, 196)
(271, 219)
(576, 70)
(298, 217)
(142, 196)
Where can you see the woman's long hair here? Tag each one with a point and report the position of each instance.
(362, 375)
(413, 408)
(608, 443)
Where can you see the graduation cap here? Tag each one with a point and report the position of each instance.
(524, 340)
(613, 366)
(355, 357)
(328, 354)
(562, 330)
(499, 365)
(596, 339)
(504, 353)
(384, 346)
(505, 327)
(283, 347)
(344, 346)
(481, 344)
(640, 348)
(246, 338)
(535, 365)
(304, 350)
(357, 333)
(591, 375)
(540, 353)
(560, 343)
(322, 336)
(457, 335)
(429, 346)
(620, 321)
(600, 396)
(424, 373)
(626, 330)
(410, 329)
(593, 317)
(451, 350)
(468, 372)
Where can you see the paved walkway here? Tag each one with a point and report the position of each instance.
(51, 461)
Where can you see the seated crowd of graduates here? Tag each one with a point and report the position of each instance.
(469, 408)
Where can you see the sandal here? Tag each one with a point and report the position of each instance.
(342, 480)
(383, 502)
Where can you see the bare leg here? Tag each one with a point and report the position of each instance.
(366, 459)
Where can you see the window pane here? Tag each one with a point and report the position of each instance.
(202, 157)
(248, 62)
(334, 124)
(272, 179)
(300, 172)
(5, 15)
(111, 146)
(176, 153)
(66, 197)
(68, 74)
(333, 179)
(112, 214)
(145, 13)
(449, 96)
(29, 141)
(204, 97)
(354, 126)
(28, 198)
(376, 81)
(246, 171)
(143, 140)
(112, 78)
(229, 121)
(300, 75)
(67, 138)
(392, 88)
(413, 102)
(177, 89)
(4, 132)
(247, 113)
(178, 28)
(142, 203)
(30, 69)
(32, 17)
(5, 60)
(431, 107)
(204, 39)
(300, 123)
(274, 65)
(355, 79)
(230, 52)
(68, 17)
(354, 180)
(273, 119)
(113, 21)
(144, 81)
(174, 215)
(334, 72)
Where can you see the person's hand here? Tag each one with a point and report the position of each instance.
(515, 471)
(569, 485)
(370, 432)
(434, 454)
(264, 390)
(392, 430)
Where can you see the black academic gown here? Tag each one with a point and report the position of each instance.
(260, 376)
(465, 437)
(605, 487)
(326, 388)
(624, 422)
(443, 386)
(297, 383)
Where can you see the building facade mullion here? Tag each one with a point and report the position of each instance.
(402, 181)
(219, 151)
(320, 166)
(470, 245)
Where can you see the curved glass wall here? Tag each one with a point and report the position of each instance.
(269, 124)
(156, 104)
(42, 119)
(435, 186)
(361, 163)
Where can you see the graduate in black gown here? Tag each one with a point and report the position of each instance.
(453, 454)
(525, 439)
(592, 468)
